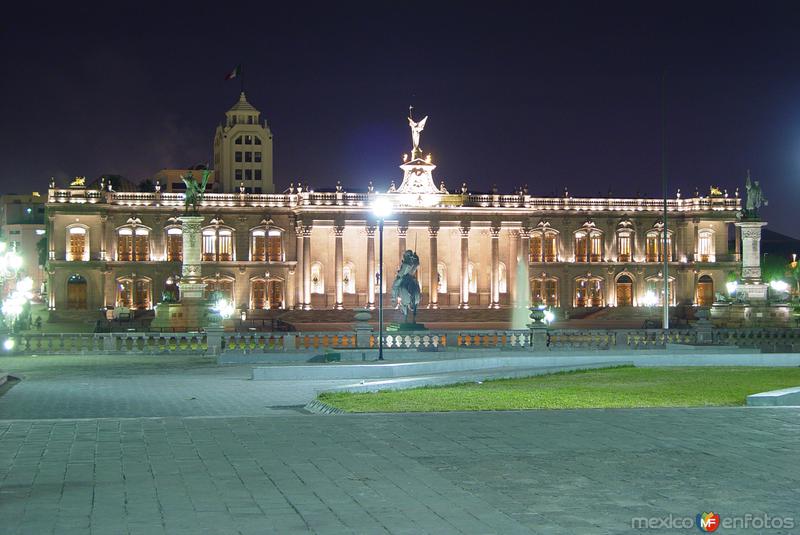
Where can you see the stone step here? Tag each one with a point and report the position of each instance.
(786, 397)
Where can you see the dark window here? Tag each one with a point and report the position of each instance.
(238, 156)
(248, 140)
(257, 140)
(257, 174)
(248, 174)
(257, 156)
(257, 190)
(248, 156)
(238, 140)
(178, 186)
(238, 174)
(249, 119)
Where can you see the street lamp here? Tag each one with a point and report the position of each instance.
(381, 208)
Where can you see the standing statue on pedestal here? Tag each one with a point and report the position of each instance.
(405, 289)
(194, 190)
(755, 198)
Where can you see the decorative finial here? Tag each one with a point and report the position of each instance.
(291, 188)
(525, 189)
(494, 189)
(241, 187)
(158, 186)
(678, 195)
(52, 182)
(370, 187)
(338, 186)
(299, 188)
(566, 192)
(405, 157)
(463, 188)
(442, 189)
(392, 187)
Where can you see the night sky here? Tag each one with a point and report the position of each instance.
(549, 96)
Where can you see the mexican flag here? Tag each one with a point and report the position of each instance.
(235, 73)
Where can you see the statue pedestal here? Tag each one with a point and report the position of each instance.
(751, 250)
(753, 292)
(181, 316)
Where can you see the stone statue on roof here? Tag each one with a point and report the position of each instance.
(416, 130)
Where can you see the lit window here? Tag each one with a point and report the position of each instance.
(581, 247)
(78, 244)
(544, 291)
(624, 247)
(705, 246)
(248, 174)
(174, 245)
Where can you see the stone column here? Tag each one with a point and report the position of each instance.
(402, 230)
(103, 222)
(338, 230)
(524, 258)
(464, 229)
(513, 265)
(300, 270)
(307, 268)
(494, 232)
(51, 242)
(737, 242)
(371, 266)
(192, 285)
(696, 255)
(433, 295)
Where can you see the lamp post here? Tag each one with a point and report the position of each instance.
(381, 208)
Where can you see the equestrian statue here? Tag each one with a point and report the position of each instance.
(405, 290)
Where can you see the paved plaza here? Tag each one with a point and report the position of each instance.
(129, 451)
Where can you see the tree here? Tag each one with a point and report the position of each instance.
(41, 249)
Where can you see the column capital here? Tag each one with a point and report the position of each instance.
(370, 230)
(338, 230)
(464, 230)
(402, 229)
(525, 232)
(433, 231)
(514, 232)
(306, 230)
(494, 232)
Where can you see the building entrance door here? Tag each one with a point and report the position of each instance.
(76, 293)
(705, 291)
(624, 291)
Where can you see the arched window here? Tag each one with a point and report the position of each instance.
(76, 292)
(266, 294)
(77, 243)
(544, 244)
(624, 245)
(705, 245)
(536, 247)
(588, 243)
(221, 286)
(133, 293)
(472, 275)
(544, 291)
(349, 278)
(174, 244)
(588, 292)
(441, 271)
(133, 244)
(266, 245)
(317, 279)
(501, 278)
(217, 244)
(654, 244)
(654, 294)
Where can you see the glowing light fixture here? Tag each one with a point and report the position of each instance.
(650, 299)
(779, 286)
(731, 287)
(382, 207)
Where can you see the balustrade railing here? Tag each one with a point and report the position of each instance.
(215, 342)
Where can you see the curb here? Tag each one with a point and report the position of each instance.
(320, 407)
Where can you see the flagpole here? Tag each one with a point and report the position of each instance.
(241, 78)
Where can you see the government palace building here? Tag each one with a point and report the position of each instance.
(318, 249)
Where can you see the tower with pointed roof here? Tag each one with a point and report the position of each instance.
(243, 150)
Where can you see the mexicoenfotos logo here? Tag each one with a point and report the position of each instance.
(707, 522)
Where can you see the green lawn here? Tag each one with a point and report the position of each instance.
(607, 388)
